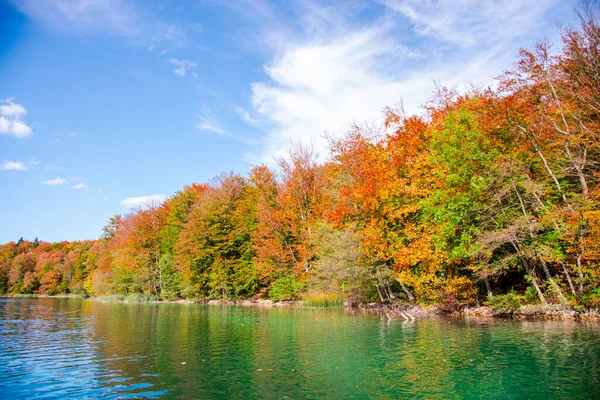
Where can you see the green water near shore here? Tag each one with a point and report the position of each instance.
(75, 348)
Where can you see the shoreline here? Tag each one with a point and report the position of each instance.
(391, 311)
(531, 312)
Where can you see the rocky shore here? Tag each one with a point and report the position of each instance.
(538, 311)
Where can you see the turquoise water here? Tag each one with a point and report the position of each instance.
(69, 348)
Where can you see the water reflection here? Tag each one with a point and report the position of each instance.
(78, 348)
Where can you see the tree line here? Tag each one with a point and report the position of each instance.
(487, 192)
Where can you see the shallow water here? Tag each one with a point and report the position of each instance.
(70, 348)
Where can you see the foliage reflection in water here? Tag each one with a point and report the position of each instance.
(82, 348)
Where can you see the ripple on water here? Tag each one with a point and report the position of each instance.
(46, 351)
(80, 348)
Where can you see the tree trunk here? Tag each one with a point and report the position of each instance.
(544, 265)
(160, 280)
(487, 286)
(559, 293)
(379, 292)
(411, 297)
(580, 288)
(154, 283)
(534, 281)
(579, 258)
(389, 291)
(551, 173)
(569, 280)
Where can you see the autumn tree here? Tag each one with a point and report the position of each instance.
(214, 250)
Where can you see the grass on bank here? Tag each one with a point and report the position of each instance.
(322, 300)
(129, 298)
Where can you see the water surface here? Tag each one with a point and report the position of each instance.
(70, 348)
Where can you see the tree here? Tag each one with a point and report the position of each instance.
(214, 250)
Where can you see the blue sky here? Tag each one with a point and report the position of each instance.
(105, 103)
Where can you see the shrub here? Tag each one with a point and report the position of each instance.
(140, 298)
(592, 299)
(462, 290)
(450, 293)
(531, 295)
(506, 303)
(286, 288)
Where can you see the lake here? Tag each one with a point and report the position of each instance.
(72, 348)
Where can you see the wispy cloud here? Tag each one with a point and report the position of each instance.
(143, 201)
(246, 117)
(124, 18)
(52, 167)
(210, 124)
(10, 119)
(13, 166)
(79, 186)
(54, 182)
(182, 66)
(87, 16)
(471, 22)
(336, 69)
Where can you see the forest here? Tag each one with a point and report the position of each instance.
(487, 194)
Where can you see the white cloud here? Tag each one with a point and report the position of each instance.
(54, 182)
(470, 22)
(52, 167)
(182, 66)
(9, 108)
(246, 117)
(125, 18)
(210, 124)
(10, 119)
(143, 201)
(337, 72)
(114, 16)
(150, 48)
(13, 166)
(324, 87)
(79, 186)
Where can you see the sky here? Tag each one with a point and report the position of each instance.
(105, 104)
